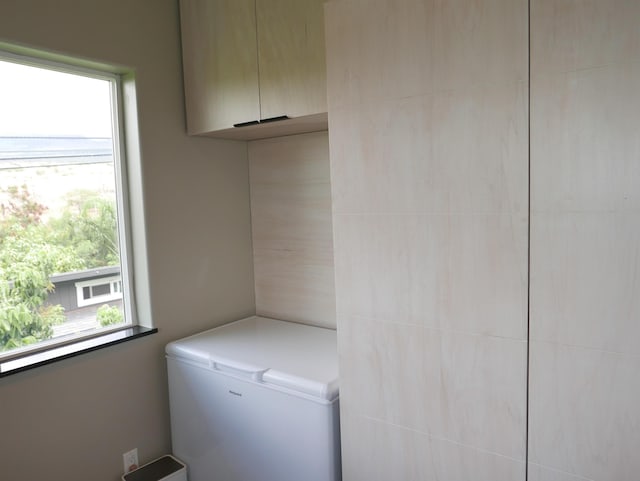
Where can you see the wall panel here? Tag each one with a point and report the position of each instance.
(292, 229)
(428, 134)
(585, 238)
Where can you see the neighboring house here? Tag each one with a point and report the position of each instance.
(85, 288)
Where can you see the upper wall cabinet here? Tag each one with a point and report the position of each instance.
(248, 62)
(291, 57)
(220, 61)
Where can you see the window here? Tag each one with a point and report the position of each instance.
(98, 291)
(64, 261)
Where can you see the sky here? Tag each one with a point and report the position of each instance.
(40, 102)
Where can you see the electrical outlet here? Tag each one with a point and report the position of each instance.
(130, 459)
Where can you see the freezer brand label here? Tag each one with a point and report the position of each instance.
(235, 393)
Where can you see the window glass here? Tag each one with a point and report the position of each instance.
(60, 221)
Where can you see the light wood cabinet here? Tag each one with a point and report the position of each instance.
(428, 159)
(219, 55)
(585, 236)
(291, 55)
(247, 62)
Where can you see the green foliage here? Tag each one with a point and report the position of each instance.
(84, 236)
(109, 315)
(54, 314)
(19, 326)
(26, 262)
(88, 225)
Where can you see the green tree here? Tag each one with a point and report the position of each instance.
(109, 315)
(27, 260)
(84, 236)
(88, 226)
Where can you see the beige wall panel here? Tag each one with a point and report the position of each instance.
(291, 216)
(462, 151)
(543, 473)
(386, 53)
(461, 273)
(584, 286)
(448, 385)
(311, 166)
(584, 411)
(295, 285)
(291, 52)
(585, 179)
(196, 202)
(378, 451)
(292, 231)
(428, 133)
(220, 62)
(586, 140)
(571, 35)
(404, 49)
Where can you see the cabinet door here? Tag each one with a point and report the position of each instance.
(220, 63)
(291, 55)
(584, 388)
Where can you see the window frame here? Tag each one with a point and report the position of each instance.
(122, 85)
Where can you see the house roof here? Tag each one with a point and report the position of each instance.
(86, 274)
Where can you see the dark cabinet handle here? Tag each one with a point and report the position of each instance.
(274, 119)
(245, 124)
(262, 121)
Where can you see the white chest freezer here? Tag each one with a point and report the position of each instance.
(256, 400)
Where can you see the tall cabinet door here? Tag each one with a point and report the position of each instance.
(292, 57)
(220, 63)
(584, 416)
(429, 175)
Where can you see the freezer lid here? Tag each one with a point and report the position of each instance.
(293, 356)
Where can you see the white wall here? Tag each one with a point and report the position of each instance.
(73, 420)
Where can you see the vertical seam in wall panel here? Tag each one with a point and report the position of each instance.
(528, 363)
